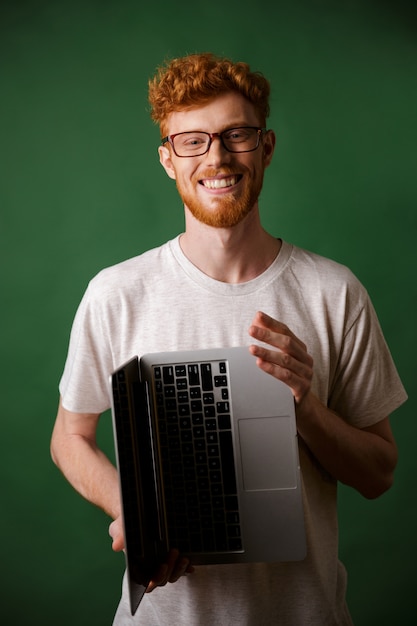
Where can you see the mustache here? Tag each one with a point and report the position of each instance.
(212, 172)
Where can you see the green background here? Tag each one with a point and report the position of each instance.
(81, 188)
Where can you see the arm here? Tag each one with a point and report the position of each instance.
(75, 452)
(361, 458)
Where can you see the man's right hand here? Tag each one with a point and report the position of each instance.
(168, 572)
(116, 533)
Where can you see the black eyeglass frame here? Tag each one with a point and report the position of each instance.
(170, 139)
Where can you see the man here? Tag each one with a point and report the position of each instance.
(224, 282)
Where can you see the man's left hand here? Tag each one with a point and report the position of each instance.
(288, 361)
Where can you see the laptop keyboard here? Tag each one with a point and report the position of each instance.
(195, 436)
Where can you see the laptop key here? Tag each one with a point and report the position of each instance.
(227, 462)
(206, 377)
(193, 375)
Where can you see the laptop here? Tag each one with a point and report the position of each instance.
(207, 455)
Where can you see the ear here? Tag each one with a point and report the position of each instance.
(166, 161)
(268, 146)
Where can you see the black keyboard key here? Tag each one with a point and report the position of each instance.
(198, 432)
(168, 375)
(220, 381)
(206, 377)
(187, 449)
(216, 489)
(196, 406)
(171, 404)
(218, 502)
(214, 463)
(220, 537)
(227, 462)
(180, 371)
(205, 500)
(233, 531)
(193, 375)
(212, 437)
(189, 472)
(209, 411)
(191, 488)
(218, 515)
(232, 517)
(224, 422)
(169, 391)
(201, 457)
(203, 483)
(185, 422)
(208, 541)
(216, 483)
(235, 544)
(196, 543)
(231, 503)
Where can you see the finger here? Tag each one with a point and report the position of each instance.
(158, 579)
(182, 568)
(299, 365)
(262, 320)
(164, 572)
(284, 340)
(167, 568)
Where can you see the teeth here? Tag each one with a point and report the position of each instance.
(219, 183)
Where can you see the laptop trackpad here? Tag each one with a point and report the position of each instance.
(267, 446)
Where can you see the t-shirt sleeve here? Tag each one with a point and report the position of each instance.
(366, 387)
(84, 385)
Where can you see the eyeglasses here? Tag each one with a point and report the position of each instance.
(197, 143)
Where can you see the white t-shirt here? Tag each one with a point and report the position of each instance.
(161, 301)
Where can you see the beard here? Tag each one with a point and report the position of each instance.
(226, 211)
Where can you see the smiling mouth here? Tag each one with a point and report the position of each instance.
(220, 183)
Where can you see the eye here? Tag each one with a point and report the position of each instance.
(191, 141)
(237, 135)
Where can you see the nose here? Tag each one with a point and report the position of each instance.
(217, 152)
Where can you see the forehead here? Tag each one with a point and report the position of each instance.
(225, 111)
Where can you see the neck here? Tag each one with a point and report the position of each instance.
(230, 255)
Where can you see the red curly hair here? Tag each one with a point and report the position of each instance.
(195, 79)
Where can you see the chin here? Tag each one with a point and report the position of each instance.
(226, 212)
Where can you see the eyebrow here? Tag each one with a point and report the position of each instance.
(226, 127)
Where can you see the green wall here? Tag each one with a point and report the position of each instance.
(81, 188)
